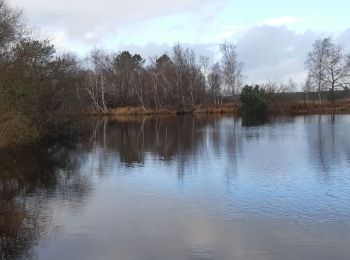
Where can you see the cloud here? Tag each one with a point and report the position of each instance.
(81, 25)
(283, 20)
(93, 18)
(344, 39)
(268, 48)
(270, 52)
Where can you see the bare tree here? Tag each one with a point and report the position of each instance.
(316, 63)
(95, 82)
(329, 68)
(10, 25)
(215, 81)
(188, 78)
(307, 87)
(337, 70)
(231, 69)
(161, 76)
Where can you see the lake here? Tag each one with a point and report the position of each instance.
(185, 187)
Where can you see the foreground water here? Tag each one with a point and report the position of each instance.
(181, 188)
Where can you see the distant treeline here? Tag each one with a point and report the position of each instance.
(311, 96)
(37, 84)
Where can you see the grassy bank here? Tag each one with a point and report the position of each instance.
(201, 109)
(16, 129)
(295, 107)
(301, 107)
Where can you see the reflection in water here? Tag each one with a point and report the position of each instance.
(203, 187)
(169, 138)
(29, 177)
(254, 121)
(20, 228)
(329, 143)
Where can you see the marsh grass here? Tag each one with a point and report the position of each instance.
(301, 107)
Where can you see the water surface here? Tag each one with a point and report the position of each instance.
(181, 188)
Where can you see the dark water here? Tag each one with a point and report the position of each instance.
(181, 188)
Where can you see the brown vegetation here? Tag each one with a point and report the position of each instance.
(311, 107)
(168, 110)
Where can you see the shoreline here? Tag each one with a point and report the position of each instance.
(276, 108)
(139, 111)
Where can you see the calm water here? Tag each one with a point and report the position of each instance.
(181, 188)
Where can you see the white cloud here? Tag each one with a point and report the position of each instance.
(79, 17)
(80, 25)
(269, 49)
(270, 52)
(283, 20)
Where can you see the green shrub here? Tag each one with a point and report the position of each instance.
(254, 101)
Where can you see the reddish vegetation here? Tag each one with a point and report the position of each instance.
(201, 109)
(310, 107)
(216, 109)
(293, 107)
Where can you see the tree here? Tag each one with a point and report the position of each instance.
(189, 80)
(161, 73)
(10, 26)
(307, 87)
(95, 80)
(36, 84)
(329, 68)
(215, 81)
(254, 101)
(337, 70)
(124, 71)
(231, 69)
(316, 61)
(29, 77)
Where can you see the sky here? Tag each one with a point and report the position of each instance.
(272, 36)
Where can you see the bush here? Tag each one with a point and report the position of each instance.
(254, 101)
(15, 128)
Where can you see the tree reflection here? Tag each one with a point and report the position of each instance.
(168, 138)
(328, 142)
(32, 178)
(249, 121)
(132, 138)
(29, 178)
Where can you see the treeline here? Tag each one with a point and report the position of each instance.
(37, 84)
(179, 80)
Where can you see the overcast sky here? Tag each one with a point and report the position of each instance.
(272, 36)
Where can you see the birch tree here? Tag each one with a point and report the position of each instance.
(329, 67)
(215, 81)
(316, 64)
(231, 69)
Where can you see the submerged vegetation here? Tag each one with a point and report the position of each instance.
(39, 86)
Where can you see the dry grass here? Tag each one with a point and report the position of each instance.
(131, 111)
(216, 109)
(139, 111)
(135, 111)
(277, 107)
(311, 107)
